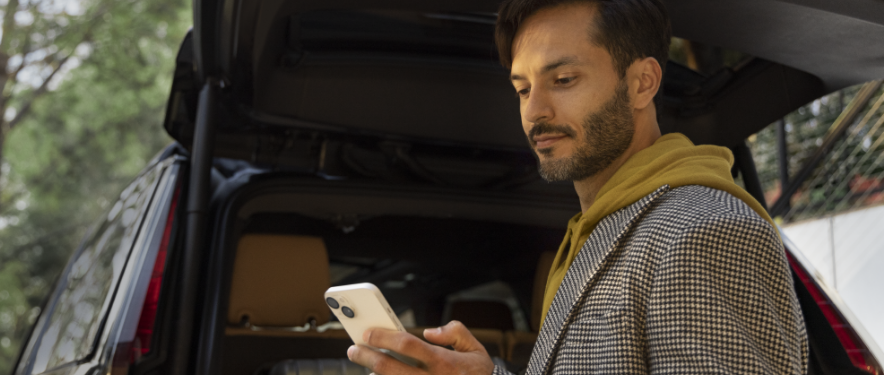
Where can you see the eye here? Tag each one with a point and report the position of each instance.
(523, 93)
(564, 80)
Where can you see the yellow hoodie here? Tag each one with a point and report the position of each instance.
(674, 160)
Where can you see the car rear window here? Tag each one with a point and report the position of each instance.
(93, 273)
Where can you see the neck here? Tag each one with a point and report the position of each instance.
(588, 188)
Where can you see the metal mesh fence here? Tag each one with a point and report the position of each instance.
(849, 176)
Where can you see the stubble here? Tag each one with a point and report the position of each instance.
(606, 135)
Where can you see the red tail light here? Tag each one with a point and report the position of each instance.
(854, 346)
(144, 332)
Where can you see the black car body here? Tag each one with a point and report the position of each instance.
(388, 130)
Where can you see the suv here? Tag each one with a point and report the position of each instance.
(327, 143)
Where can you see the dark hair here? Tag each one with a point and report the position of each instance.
(628, 29)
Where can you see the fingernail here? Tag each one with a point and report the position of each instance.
(366, 336)
(350, 351)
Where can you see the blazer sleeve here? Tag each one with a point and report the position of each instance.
(722, 301)
(500, 370)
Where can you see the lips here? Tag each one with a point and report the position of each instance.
(547, 140)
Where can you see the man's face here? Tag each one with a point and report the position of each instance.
(576, 111)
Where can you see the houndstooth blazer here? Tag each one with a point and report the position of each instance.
(684, 281)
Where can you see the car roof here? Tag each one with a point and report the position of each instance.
(426, 72)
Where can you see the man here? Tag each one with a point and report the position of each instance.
(670, 267)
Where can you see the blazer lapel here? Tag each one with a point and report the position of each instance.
(580, 275)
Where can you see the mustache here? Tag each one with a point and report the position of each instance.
(546, 128)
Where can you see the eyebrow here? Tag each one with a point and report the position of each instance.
(567, 60)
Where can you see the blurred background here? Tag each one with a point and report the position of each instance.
(84, 88)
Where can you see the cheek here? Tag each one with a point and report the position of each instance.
(576, 104)
(571, 108)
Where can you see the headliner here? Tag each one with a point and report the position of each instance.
(838, 41)
(804, 49)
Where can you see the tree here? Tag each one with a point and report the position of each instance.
(80, 140)
(40, 40)
(848, 173)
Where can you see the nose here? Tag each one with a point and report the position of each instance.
(537, 108)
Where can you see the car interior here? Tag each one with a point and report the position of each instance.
(382, 145)
(436, 254)
(425, 253)
(436, 257)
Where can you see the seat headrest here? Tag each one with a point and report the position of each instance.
(544, 264)
(279, 281)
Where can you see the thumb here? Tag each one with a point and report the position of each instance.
(456, 335)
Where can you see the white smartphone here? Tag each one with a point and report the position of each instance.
(362, 306)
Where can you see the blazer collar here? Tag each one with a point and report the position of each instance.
(580, 276)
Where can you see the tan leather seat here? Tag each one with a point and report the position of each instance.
(279, 281)
(278, 287)
(519, 345)
(544, 264)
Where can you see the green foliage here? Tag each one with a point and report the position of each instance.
(855, 157)
(83, 142)
(14, 307)
(806, 129)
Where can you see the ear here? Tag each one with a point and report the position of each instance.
(645, 77)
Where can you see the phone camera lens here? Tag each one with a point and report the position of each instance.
(347, 312)
(332, 302)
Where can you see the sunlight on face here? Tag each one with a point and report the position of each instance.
(575, 108)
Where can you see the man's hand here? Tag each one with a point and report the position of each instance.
(468, 356)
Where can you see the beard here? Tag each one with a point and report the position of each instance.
(606, 135)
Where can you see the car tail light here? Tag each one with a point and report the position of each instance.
(143, 334)
(853, 345)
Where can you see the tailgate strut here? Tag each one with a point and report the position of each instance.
(197, 206)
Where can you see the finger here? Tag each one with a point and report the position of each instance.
(400, 342)
(379, 363)
(456, 335)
